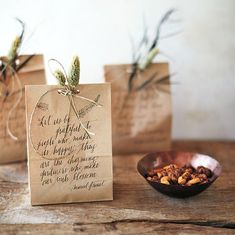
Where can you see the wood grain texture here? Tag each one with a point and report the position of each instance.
(114, 228)
(136, 208)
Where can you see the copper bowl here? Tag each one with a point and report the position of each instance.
(161, 159)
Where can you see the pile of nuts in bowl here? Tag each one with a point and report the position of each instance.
(184, 176)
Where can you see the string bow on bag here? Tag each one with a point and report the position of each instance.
(69, 83)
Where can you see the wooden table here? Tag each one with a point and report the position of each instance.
(136, 208)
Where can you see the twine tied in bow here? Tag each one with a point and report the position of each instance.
(69, 83)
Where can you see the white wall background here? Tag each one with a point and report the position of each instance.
(203, 55)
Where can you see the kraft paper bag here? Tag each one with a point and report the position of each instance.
(69, 144)
(141, 118)
(12, 108)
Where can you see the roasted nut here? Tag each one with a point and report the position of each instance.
(178, 172)
(171, 166)
(204, 170)
(155, 178)
(186, 175)
(161, 172)
(181, 180)
(151, 173)
(164, 173)
(193, 181)
(194, 175)
(172, 177)
(202, 176)
(165, 180)
(189, 169)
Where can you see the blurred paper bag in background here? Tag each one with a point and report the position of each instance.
(30, 70)
(141, 110)
(141, 95)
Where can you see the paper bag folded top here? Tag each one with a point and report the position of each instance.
(69, 144)
(12, 107)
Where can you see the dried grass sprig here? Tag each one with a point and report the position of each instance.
(25, 62)
(149, 58)
(15, 46)
(13, 54)
(145, 54)
(165, 17)
(164, 80)
(147, 82)
(74, 73)
(60, 76)
(72, 79)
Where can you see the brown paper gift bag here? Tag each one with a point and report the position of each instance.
(141, 119)
(12, 109)
(69, 144)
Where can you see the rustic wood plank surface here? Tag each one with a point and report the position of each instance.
(136, 208)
